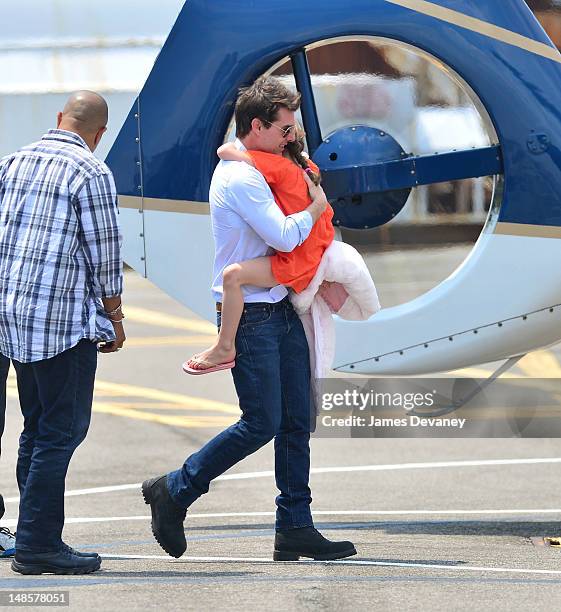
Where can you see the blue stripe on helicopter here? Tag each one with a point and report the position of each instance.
(186, 104)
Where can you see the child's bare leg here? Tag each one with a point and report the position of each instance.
(255, 272)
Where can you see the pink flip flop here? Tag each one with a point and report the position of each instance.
(212, 368)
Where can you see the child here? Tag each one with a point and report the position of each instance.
(286, 178)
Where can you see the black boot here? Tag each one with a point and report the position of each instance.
(291, 544)
(167, 516)
(62, 562)
(73, 551)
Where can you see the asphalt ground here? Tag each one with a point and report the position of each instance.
(439, 524)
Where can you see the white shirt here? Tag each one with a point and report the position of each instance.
(247, 223)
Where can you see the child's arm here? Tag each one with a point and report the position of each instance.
(229, 152)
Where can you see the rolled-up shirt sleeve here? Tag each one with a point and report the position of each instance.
(253, 201)
(101, 235)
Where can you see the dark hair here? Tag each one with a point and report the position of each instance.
(295, 150)
(262, 100)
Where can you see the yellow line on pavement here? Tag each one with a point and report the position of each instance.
(481, 373)
(540, 364)
(469, 373)
(177, 421)
(101, 393)
(170, 341)
(178, 401)
(185, 401)
(155, 406)
(161, 319)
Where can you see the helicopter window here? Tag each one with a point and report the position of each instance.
(422, 105)
(416, 102)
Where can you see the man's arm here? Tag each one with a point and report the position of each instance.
(101, 243)
(114, 309)
(252, 199)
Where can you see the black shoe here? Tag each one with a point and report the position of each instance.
(62, 562)
(291, 544)
(167, 516)
(73, 551)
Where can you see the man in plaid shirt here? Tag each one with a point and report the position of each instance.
(60, 286)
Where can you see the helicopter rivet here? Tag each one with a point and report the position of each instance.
(551, 310)
(426, 346)
(137, 139)
(412, 171)
(382, 133)
(401, 352)
(136, 115)
(376, 359)
(451, 339)
(138, 163)
(500, 324)
(352, 367)
(475, 331)
(524, 317)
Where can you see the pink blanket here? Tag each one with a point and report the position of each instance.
(341, 285)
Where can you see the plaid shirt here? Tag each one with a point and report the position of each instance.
(59, 247)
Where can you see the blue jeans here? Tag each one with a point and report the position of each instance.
(56, 402)
(272, 380)
(4, 367)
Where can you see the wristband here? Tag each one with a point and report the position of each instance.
(109, 313)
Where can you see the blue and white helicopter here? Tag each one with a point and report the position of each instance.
(502, 302)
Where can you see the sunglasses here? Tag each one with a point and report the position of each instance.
(286, 131)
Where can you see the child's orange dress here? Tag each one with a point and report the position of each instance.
(286, 180)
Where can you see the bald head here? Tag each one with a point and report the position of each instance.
(88, 109)
(86, 114)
